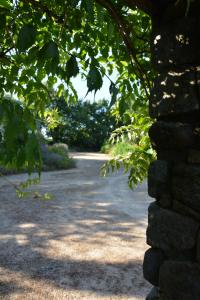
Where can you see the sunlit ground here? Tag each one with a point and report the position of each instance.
(86, 243)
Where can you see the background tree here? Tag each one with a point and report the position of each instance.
(83, 125)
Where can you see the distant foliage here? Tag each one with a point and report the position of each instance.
(84, 125)
(43, 46)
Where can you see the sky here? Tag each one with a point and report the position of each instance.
(81, 88)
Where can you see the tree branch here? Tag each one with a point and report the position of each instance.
(148, 6)
(123, 29)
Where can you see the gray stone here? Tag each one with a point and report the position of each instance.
(171, 135)
(172, 156)
(174, 93)
(180, 280)
(186, 170)
(165, 201)
(158, 178)
(171, 232)
(187, 191)
(153, 260)
(198, 248)
(185, 210)
(154, 294)
(183, 42)
(194, 156)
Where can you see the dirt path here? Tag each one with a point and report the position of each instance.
(86, 243)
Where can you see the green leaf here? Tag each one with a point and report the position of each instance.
(94, 80)
(72, 68)
(113, 91)
(26, 37)
(89, 5)
(5, 4)
(75, 3)
(2, 21)
(49, 51)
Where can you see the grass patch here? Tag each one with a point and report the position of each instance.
(121, 148)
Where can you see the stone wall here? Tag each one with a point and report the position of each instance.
(172, 264)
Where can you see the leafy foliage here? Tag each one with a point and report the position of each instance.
(84, 125)
(19, 145)
(132, 148)
(43, 44)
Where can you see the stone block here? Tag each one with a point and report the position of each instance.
(186, 185)
(172, 156)
(180, 280)
(174, 93)
(194, 156)
(153, 260)
(171, 135)
(183, 42)
(186, 170)
(187, 191)
(183, 209)
(158, 178)
(173, 233)
(198, 248)
(154, 294)
(165, 200)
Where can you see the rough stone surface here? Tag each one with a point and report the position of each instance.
(153, 260)
(183, 209)
(154, 294)
(174, 219)
(183, 42)
(194, 156)
(170, 231)
(187, 191)
(180, 280)
(165, 201)
(186, 170)
(158, 178)
(173, 156)
(178, 94)
(171, 135)
(198, 247)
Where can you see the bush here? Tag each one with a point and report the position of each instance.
(60, 148)
(56, 157)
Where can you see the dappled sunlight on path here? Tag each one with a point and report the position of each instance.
(85, 243)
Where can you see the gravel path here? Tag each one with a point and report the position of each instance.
(87, 242)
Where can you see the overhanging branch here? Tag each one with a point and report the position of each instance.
(147, 6)
(124, 31)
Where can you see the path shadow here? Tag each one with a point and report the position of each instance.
(29, 226)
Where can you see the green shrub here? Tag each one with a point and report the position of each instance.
(56, 157)
(60, 148)
(106, 148)
(121, 148)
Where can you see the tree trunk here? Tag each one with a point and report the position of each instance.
(172, 264)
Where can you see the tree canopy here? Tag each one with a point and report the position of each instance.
(82, 125)
(44, 44)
